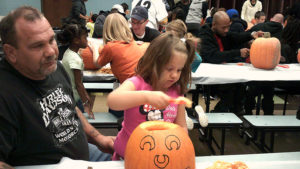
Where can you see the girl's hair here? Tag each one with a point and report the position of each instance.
(69, 32)
(116, 29)
(179, 28)
(159, 54)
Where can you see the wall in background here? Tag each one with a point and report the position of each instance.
(7, 5)
(92, 5)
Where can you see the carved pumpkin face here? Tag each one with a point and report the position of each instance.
(265, 53)
(159, 145)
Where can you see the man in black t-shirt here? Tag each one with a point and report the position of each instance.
(39, 120)
(139, 20)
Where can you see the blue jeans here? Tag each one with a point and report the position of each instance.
(97, 155)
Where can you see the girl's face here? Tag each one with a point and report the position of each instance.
(172, 71)
(83, 41)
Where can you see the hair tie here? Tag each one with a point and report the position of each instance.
(183, 40)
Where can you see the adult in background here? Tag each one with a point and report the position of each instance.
(184, 5)
(139, 20)
(274, 26)
(217, 47)
(78, 12)
(98, 28)
(250, 7)
(196, 16)
(237, 24)
(157, 13)
(39, 121)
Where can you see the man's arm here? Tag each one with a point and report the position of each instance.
(212, 54)
(104, 143)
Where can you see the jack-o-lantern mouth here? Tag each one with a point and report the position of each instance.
(161, 162)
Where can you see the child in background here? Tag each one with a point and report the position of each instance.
(179, 29)
(163, 73)
(91, 24)
(76, 36)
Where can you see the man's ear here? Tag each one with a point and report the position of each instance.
(10, 53)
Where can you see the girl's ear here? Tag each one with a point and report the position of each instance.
(10, 53)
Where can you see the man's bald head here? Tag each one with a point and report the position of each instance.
(278, 18)
(220, 16)
(221, 23)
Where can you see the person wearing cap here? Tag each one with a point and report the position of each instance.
(98, 30)
(237, 24)
(158, 15)
(139, 20)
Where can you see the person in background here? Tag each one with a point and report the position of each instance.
(274, 26)
(259, 17)
(98, 31)
(138, 21)
(163, 73)
(217, 46)
(157, 13)
(120, 50)
(76, 36)
(91, 25)
(212, 13)
(184, 5)
(250, 7)
(77, 13)
(179, 29)
(178, 13)
(39, 120)
(237, 24)
(125, 8)
(196, 16)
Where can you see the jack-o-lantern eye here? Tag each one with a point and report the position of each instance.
(147, 140)
(172, 140)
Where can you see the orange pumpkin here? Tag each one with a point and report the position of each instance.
(298, 56)
(87, 57)
(159, 145)
(265, 53)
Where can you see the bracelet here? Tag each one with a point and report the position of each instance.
(86, 102)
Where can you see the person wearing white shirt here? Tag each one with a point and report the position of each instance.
(156, 11)
(250, 7)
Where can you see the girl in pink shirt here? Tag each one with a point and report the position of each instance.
(163, 73)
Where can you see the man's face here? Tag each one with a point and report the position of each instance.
(138, 27)
(36, 54)
(261, 19)
(221, 27)
(253, 2)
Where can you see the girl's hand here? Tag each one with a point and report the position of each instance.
(157, 99)
(88, 109)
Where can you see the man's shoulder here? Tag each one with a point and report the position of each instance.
(151, 30)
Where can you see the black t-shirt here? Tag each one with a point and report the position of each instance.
(38, 121)
(150, 34)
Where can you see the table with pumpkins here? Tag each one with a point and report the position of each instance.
(163, 145)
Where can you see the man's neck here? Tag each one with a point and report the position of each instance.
(142, 36)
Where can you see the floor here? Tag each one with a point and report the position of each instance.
(234, 144)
